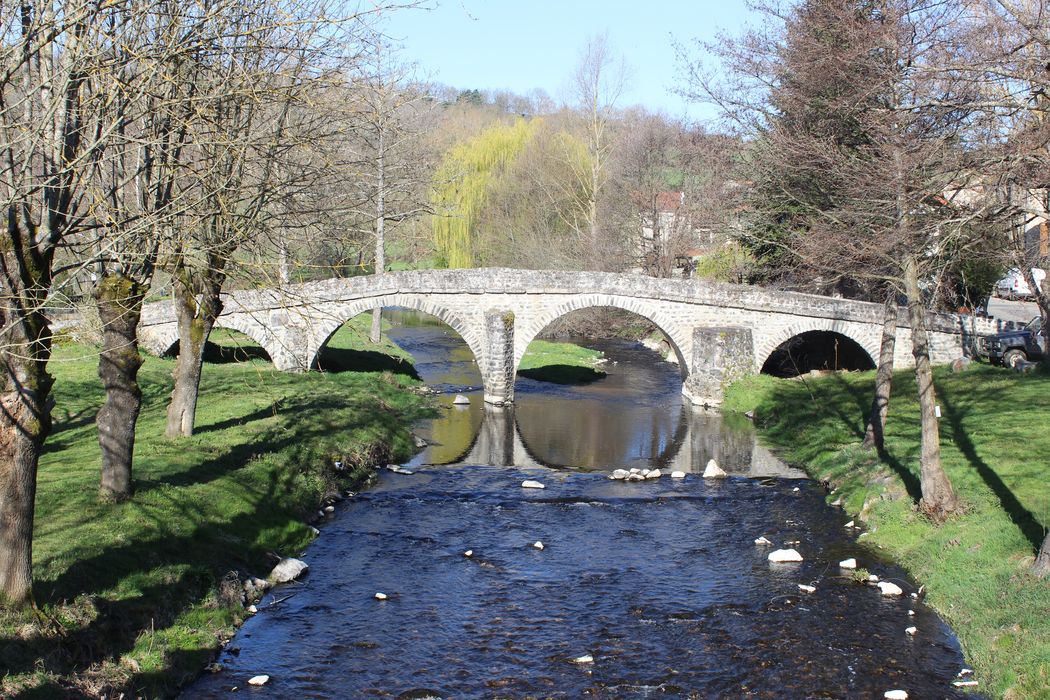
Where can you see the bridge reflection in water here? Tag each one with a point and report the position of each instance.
(633, 417)
(698, 436)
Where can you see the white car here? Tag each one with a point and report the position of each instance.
(1014, 285)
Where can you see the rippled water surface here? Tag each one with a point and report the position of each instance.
(660, 582)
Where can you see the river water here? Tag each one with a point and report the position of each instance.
(659, 582)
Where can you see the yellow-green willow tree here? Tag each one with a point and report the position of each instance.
(463, 182)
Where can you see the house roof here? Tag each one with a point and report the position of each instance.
(670, 201)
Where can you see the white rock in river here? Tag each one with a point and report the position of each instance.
(619, 474)
(677, 475)
(468, 553)
(872, 578)
(636, 470)
(896, 695)
(713, 471)
(887, 588)
(258, 680)
(288, 570)
(784, 555)
(849, 524)
(530, 484)
(585, 659)
(460, 400)
(635, 477)
(763, 541)
(806, 589)
(654, 474)
(537, 544)
(911, 630)
(850, 563)
(252, 609)
(380, 596)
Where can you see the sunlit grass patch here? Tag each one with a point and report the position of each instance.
(561, 363)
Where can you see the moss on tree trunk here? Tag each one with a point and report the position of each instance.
(119, 302)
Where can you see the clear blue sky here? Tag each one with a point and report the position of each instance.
(519, 45)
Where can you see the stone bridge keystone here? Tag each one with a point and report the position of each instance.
(717, 332)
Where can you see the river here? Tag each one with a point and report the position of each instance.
(659, 583)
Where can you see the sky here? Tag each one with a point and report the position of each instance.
(519, 45)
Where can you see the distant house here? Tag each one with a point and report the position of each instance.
(674, 234)
(660, 217)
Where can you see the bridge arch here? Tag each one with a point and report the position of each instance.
(865, 338)
(681, 342)
(159, 341)
(338, 314)
(250, 328)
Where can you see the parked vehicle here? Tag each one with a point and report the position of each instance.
(1027, 344)
(1015, 286)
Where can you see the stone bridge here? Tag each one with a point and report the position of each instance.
(719, 332)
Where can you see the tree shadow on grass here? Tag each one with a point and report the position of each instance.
(862, 396)
(199, 557)
(1021, 516)
(321, 416)
(346, 360)
(847, 404)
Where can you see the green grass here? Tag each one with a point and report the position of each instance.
(995, 448)
(129, 594)
(560, 363)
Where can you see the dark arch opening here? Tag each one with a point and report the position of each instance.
(591, 323)
(348, 349)
(224, 346)
(816, 350)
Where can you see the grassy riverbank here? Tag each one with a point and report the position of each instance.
(131, 596)
(995, 447)
(560, 363)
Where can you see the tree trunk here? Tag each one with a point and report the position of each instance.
(119, 301)
(196, 321)
(1042, 561)
(25, 420)
(380, 227)
(284, 275)
(938, 498)
(880, 404)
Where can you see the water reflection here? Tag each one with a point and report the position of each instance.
(634, 417)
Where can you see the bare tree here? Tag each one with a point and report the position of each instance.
(596, 86)
(268, 61)
(55, 123)
(857, 128)
(390, 118)
(138, 200)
